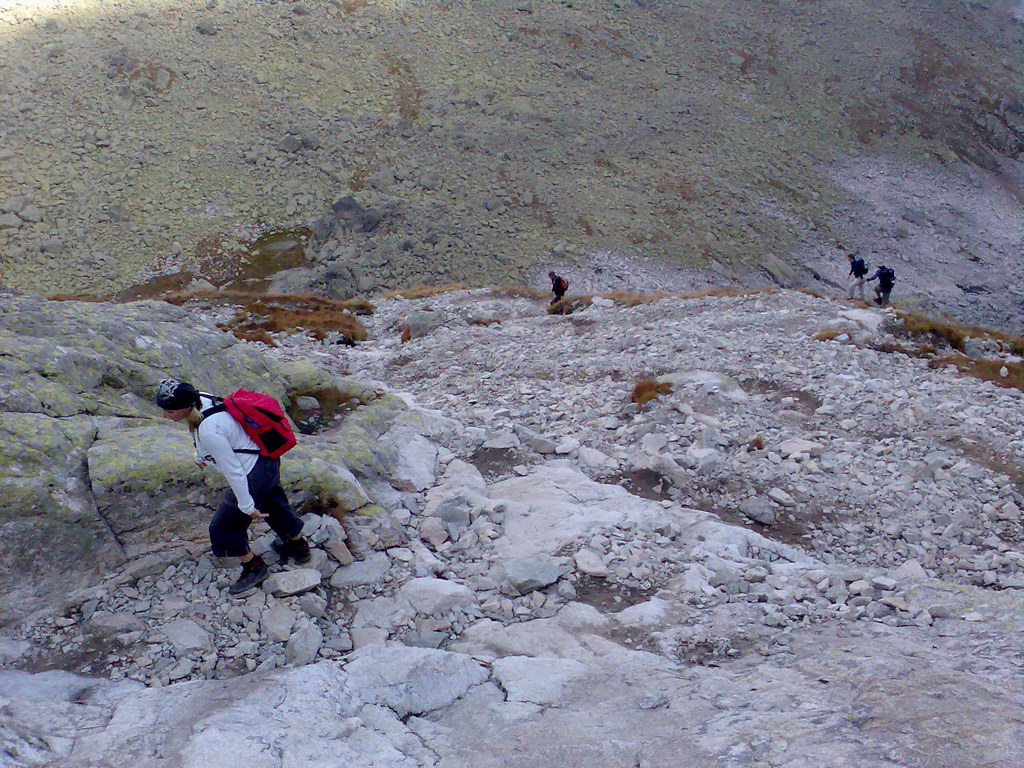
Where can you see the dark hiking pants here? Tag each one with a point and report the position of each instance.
(229, 529)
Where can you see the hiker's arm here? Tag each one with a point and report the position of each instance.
(217, 445)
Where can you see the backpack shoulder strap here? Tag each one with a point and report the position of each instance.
(217, 407)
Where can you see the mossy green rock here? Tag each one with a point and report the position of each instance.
(148, 488)
(91, 474)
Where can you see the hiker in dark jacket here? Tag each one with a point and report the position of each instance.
(858, 271)
(886, 279)
(559, 285)
(255, 483)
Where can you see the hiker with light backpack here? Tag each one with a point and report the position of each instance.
(243, 435)
(858, 271)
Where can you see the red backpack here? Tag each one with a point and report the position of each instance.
(262, 419)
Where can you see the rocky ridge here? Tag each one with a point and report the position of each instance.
(791, 558)
(481, 142)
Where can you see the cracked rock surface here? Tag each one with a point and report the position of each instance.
(805, 553)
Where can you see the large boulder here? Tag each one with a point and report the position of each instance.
(91, 475)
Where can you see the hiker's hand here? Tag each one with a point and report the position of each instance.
(257, 515)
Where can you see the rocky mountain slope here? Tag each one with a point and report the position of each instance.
(482, 141)
(806, 550)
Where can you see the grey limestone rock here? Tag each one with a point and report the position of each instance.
(527, 574)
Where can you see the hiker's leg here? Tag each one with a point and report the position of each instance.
(229, 529)
(271, 500)
(860, 287)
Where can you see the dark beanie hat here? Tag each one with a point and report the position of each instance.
(173, 394)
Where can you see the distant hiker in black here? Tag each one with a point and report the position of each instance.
(559, 285)
(886, 278)
(255, 483)
(858, 271)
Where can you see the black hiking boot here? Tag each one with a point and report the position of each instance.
(254, 573)
(293, 549)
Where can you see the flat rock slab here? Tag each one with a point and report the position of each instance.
(411, 681)
(797, 445)
(362, 572)
(528, 574)
(287, 583)
(432, 596)
(536, 680)
(186, 635)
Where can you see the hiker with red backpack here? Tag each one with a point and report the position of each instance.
(559, 285)
(243, 435)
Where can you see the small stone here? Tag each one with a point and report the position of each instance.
(285, 583)
(527, 574)
(781, 497)
(568, 445)
(590, 563)
(911, 569)
(182, 669)
(434, 532)
(429, 596)
(884, 583)
(759, 510)
(312, 604)
(304, 645)
(185, 635)
(362, 572)
(206, 28)
(276, 623)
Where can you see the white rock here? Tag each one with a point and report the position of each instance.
(651, 613)
(434, 596)
(304, 645)
(537, 680)
(411, 681)
(276, 623)
(912, 569)
(590, 563)
(294, 582)
(362, 572)
(416, 468)
(567, 445)
(797, 445)
(783, 498)
(185, 635)
(591, 457)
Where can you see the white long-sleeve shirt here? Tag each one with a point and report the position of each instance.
(217, 438)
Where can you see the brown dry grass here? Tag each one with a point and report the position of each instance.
(631, 299)
(569, 304)
(518, 291)
(828, 334)
(301, 301)
(425, 291)
(986, 370)
(952, 333)
(646, 390)
(90, 297)
(725, 292)
(260, 316)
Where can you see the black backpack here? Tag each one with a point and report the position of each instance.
(886, 275)
(859, 267)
